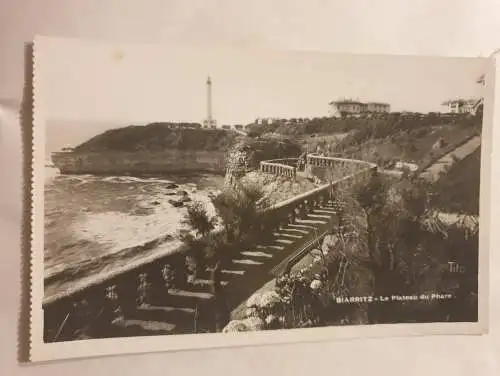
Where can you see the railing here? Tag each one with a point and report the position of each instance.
(280, 167)
(322, 161)
(287, 211)
(119, 292)
(123, 290)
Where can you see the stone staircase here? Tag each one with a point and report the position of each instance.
(250, 269)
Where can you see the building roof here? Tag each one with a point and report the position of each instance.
(351, 101)
(472, 101)
(346, 101)
(378, 103)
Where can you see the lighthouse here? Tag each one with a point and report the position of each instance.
(209, 122)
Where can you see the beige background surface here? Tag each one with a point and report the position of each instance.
(445, 27)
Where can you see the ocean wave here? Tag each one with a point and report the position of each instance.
(97, 228)
(93, 270)
(90, 266)
(132, 179)
(81, 179)
(50, 173)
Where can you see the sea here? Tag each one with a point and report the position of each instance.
(94, 224)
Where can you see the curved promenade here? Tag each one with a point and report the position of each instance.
(154, 297)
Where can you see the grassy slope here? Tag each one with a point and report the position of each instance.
(390, 137)
(457, 191)
(410, 145)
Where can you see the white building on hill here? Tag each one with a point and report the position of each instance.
(349, 107)
(462, 106)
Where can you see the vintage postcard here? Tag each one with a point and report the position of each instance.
(188, 198)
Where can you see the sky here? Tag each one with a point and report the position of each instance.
(101, 86)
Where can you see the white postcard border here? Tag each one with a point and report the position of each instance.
(40, 351)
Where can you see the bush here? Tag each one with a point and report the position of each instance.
(403, 233)
(240, 210)
(389, 240)
(198, 219)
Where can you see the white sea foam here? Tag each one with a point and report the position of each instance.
(99, 229)
(117, 230)
(50, 174)
(132, 179)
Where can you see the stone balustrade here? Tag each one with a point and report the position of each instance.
(122, 291)
(113, 295)
(280, 167)
(299, 206)
(323, 161)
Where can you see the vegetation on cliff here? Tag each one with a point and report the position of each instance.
(383, 139)
(379, 124)
(160, 136)
(419, 143)
(261, 149)
(239, 216)
(278, 188)
(387, 242)
(168, 136)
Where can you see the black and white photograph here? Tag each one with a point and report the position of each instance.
(199, 192)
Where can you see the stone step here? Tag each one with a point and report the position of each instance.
(319, 216)
(131, 328)
(296, 231)
(246, 262)
(271, 247)
(208, 282)
(232, 272)
(282, 233)
(187, 298)
(301, 226)
(203, 285)
(181, 316)
(310, 221)
(326, 211)
(169, 309)
(284, 241)
(257, 254)
(189, 294)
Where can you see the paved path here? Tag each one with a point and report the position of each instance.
(241, 133)
(432, 173)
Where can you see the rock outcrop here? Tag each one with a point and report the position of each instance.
(237, 163)
(246, 155)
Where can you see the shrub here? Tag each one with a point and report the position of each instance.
(198, 218)
(403, 233)
(394, 233)
(240, 210)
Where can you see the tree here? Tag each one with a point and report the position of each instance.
(399, 226)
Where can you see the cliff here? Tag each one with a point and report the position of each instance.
(246, 155)
(159, 148)
(169, 161)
